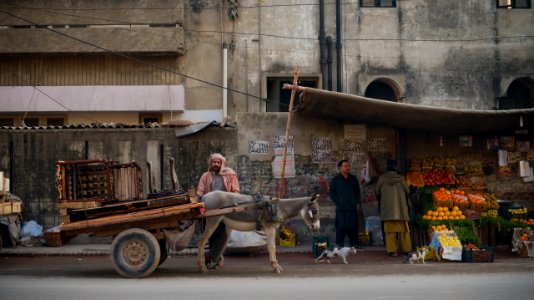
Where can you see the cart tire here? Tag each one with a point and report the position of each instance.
(135, 253)
(163, 251)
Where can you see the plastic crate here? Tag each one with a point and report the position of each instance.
(319, 244)
(484, 254)
(287, 242)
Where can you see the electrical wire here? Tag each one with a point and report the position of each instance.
(118, 22)
(42, 92)
(139, 60)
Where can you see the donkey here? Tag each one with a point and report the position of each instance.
(307, 207)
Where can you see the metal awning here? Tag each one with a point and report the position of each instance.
(357, 109)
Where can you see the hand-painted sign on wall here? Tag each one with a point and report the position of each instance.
(356, 151)
(258, 147)
(355, 132)
(278, 147)
(321, 151)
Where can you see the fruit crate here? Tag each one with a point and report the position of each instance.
(287, 242)
(484, 254)
(319, 244)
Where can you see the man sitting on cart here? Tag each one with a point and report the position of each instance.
(217, 178)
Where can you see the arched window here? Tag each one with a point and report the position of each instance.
(384, 89)
(520, 94)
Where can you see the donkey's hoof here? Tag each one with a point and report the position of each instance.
(202, 268)
(278, 269)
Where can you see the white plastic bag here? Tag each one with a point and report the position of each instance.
(246, 241)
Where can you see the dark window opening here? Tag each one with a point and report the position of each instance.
(7, 122)
(520, 94)
(381, 90)
(378, 3)
(55, 121)
(31, 122)
(278, 99)
(149, 118)
(513, 3)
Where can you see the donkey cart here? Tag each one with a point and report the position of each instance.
(103, 198)
(141, 230)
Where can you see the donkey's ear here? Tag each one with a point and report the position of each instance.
(315, 197)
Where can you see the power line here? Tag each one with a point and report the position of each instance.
(120, 22)
(138, 60)
(42, 92)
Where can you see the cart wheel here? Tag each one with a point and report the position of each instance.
(163, 251)
(135, 253)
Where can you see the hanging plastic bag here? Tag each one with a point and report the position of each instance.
(374, 173)
(369, 170)
(364, 173)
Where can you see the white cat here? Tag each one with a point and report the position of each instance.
(336, 252)
(418, 256)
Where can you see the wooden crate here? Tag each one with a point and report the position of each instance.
(53, 239)
(10, 207)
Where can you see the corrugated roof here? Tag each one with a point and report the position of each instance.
(172, 124)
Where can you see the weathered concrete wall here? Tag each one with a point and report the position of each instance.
(29, 158)
(457, 55)
(256, 174)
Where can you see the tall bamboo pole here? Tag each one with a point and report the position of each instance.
(288, 129)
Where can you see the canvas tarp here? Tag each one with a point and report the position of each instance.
(357, 109)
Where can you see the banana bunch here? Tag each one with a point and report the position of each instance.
(491, 201)
(474, 169)
(450, 164)
(416, 164)
(492, 213)
(517, 211)
(439, 162)
(428, 163)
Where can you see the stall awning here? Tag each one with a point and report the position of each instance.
(357, 109)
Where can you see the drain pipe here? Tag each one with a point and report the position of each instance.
(322, 42)
(225, 82)
(338, 45)
(329, 61)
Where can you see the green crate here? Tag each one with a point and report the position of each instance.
(483, 254)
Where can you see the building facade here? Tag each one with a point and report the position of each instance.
(154, 61)
(135, 62)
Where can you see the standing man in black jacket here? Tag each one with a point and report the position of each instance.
(345, 193)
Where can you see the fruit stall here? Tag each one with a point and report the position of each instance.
(457, 216)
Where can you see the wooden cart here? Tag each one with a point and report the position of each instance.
(139, 245)
(136, 225)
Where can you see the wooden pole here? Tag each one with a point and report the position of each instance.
(288, 129)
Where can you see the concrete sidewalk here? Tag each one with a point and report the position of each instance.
(104, 250)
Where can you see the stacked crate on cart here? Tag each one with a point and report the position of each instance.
(7, 206)
(84, 184)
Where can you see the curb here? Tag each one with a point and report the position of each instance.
(85, 250)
